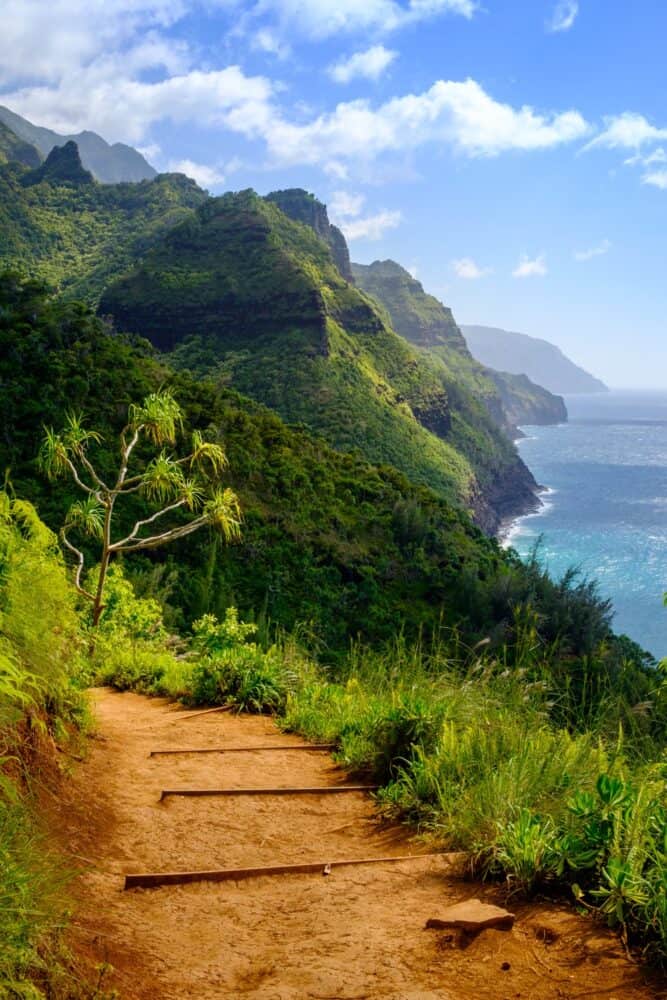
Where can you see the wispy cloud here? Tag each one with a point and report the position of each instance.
(597, 251)
(468, 269)
(371, 227)
(371, 64)
(205, 176)
(345, 205)
(320, 19)
(531, 268)
(627, 131)
(564, 16)
(656, 178)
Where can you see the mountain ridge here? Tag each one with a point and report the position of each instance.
(539, 359)
(109, 163)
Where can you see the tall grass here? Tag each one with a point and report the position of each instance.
(41, 702)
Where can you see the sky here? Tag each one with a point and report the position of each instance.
(512, 154)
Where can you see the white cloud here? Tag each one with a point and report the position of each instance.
(125, 108)
(371, 227)
(46, 40)
(527, 268)
(564, 15)
(627, 131)
(370, 64)
(319, 19)
(656, 178)
(657, 156)
(459, 114)
(151, 151)
(343, 205)
(467, 268)
(268, 41)
(413, 271)
(598, 251)
(205, 176)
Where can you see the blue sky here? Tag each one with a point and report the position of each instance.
(513, 153)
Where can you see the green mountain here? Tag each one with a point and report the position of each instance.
(330, 542)
(242, 290)
(110, 164)
(14, 148)
(538, 359)
(304, 207)
(235, 287)
(76, 234)
(426, 322)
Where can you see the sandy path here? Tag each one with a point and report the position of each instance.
(358, 933)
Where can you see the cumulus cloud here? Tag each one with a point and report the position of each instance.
(598, 251)
(467, 268)
(125, 108)
(370, 64)
(319, 19)
(459, 114)
(371, 227)
(45, 40)
(527, 268)
(564, 15)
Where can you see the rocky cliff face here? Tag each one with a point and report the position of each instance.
(304, 207)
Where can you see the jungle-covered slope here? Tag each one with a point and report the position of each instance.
(330, 542)
(236, 288)
(57, 225)
(425, 321)
(273, 316)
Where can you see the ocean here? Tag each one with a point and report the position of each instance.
(605, 509)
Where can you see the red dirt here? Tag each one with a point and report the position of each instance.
(358, 933)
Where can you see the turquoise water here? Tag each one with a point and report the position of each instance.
(606, 508)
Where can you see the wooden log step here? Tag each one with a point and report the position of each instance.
(263, 749)
(152, 880)
(325, 790)
(181, 716)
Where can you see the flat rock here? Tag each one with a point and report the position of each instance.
(473, 915)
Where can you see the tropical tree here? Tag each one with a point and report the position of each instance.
(172, 484)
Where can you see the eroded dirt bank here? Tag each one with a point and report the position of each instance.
(358, 933)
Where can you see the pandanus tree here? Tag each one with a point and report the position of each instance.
(188, 486)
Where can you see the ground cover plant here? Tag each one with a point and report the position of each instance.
(42, 706)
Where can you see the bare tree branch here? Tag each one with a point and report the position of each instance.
(80, 562)
(140, 524)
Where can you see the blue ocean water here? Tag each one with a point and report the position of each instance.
(606, 506)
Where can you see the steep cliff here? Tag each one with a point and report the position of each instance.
(427, 323)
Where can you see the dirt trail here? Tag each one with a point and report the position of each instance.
(358, 933)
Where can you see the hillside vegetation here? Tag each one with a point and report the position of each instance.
(276, 320)
(424, 321)
(496, 707)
